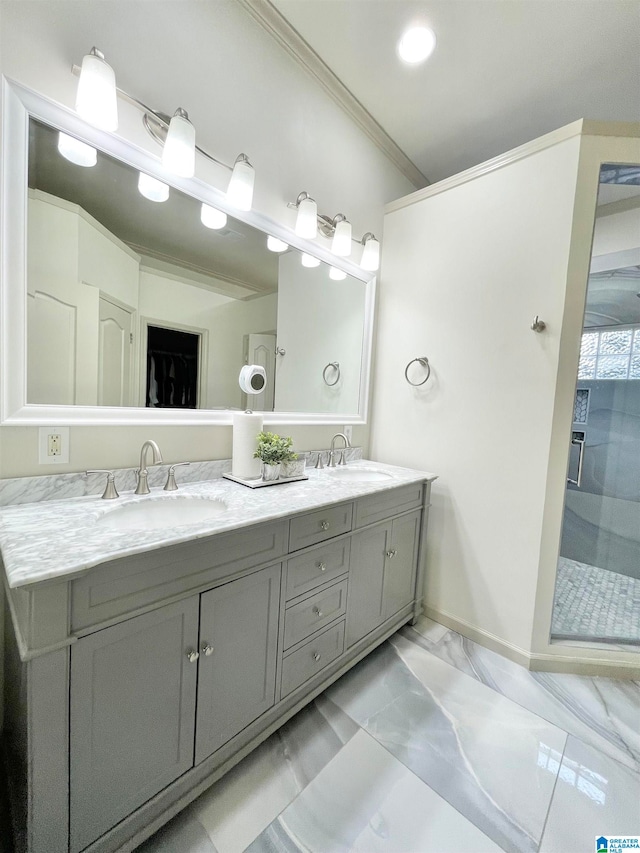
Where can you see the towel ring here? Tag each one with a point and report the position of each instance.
(336, 367)
(424, 361)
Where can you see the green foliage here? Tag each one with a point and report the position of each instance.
(272, 448)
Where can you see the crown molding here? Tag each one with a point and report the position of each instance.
(290, 40)
(499, 162)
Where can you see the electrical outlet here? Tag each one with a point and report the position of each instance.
(53, 445)
(348, 431)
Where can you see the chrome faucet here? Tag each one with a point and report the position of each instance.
(143, 486)
(332, 452)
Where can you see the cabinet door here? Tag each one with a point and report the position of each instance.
(400, 567)
(133, 692)
(237, 677)
(365, 608)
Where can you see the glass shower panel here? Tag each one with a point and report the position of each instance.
(597, 595)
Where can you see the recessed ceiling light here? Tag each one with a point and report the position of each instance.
(417, 44)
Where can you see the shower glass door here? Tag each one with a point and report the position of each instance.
(597, 596)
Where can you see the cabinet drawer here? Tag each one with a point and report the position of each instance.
(309, 570)
(118, 587)
(312, 614)
(308, 660)
(384, 505)
(317, 526)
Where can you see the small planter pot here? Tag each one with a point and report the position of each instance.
(270, 472)
(293, 468)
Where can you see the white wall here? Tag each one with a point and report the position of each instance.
(464, 273)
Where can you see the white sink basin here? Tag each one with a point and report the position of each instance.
(161, 512)
(359, 475)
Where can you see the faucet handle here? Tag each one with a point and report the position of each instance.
(110, 491)
(343, 457)
(319, 462)
(171, 485)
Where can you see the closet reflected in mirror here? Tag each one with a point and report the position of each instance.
(140, 296)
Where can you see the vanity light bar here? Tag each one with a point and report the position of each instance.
(96, 103)
(309, 222)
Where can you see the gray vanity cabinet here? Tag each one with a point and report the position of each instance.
(382, 573)
(150, 676)
(132, 712)
(238, 650)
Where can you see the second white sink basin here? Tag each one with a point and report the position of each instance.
(161, 512)
(359, 475)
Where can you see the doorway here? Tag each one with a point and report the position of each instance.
(597, 593)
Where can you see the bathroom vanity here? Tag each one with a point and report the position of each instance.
(142, 664)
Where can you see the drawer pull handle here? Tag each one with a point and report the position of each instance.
(322, 566)
(324, 525)
(192, 655)
(316, 656)
(318, 612)
(207, 650)
(391, 553)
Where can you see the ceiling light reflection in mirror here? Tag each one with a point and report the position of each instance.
(132, 302)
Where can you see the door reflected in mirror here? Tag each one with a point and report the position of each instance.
(140, 296)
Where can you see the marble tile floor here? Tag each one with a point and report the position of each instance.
(594, 603)
(432, 744)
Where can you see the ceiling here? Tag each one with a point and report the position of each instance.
(503, 72)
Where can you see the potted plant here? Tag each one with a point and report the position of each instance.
(272, 450)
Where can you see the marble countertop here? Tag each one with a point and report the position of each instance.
(53, 539)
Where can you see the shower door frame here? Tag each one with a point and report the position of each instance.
(600, 143)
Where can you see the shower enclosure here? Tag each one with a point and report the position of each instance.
(597, 594)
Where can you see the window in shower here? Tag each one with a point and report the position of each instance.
(610, 353)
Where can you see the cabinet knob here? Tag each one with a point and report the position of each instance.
(317, 611)
(316, 656)
(324, 525)
(207, 649)
(391, 553)
(322, 566)
(192, 655)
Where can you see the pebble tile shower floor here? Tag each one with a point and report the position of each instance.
(593, 603)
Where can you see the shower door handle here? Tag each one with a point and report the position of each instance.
(579, 443)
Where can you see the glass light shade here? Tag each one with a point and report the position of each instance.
(152, 188)
(76, 152)
(212, 218)
(416, 45)
(341, 243)
(307, 219)
(309, 260)
(336, 274)
(370, 255)
(96, 98)
(179, 152)
(275, 245)
(240, 190)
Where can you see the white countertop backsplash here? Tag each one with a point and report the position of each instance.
(55, 538)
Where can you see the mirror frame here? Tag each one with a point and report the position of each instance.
(19, 105)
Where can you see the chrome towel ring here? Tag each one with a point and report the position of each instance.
(424, 361)
(336, 366)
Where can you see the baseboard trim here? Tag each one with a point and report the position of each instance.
(478, 635)
(537, 662)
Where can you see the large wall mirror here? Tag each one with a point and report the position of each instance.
(126, 302)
